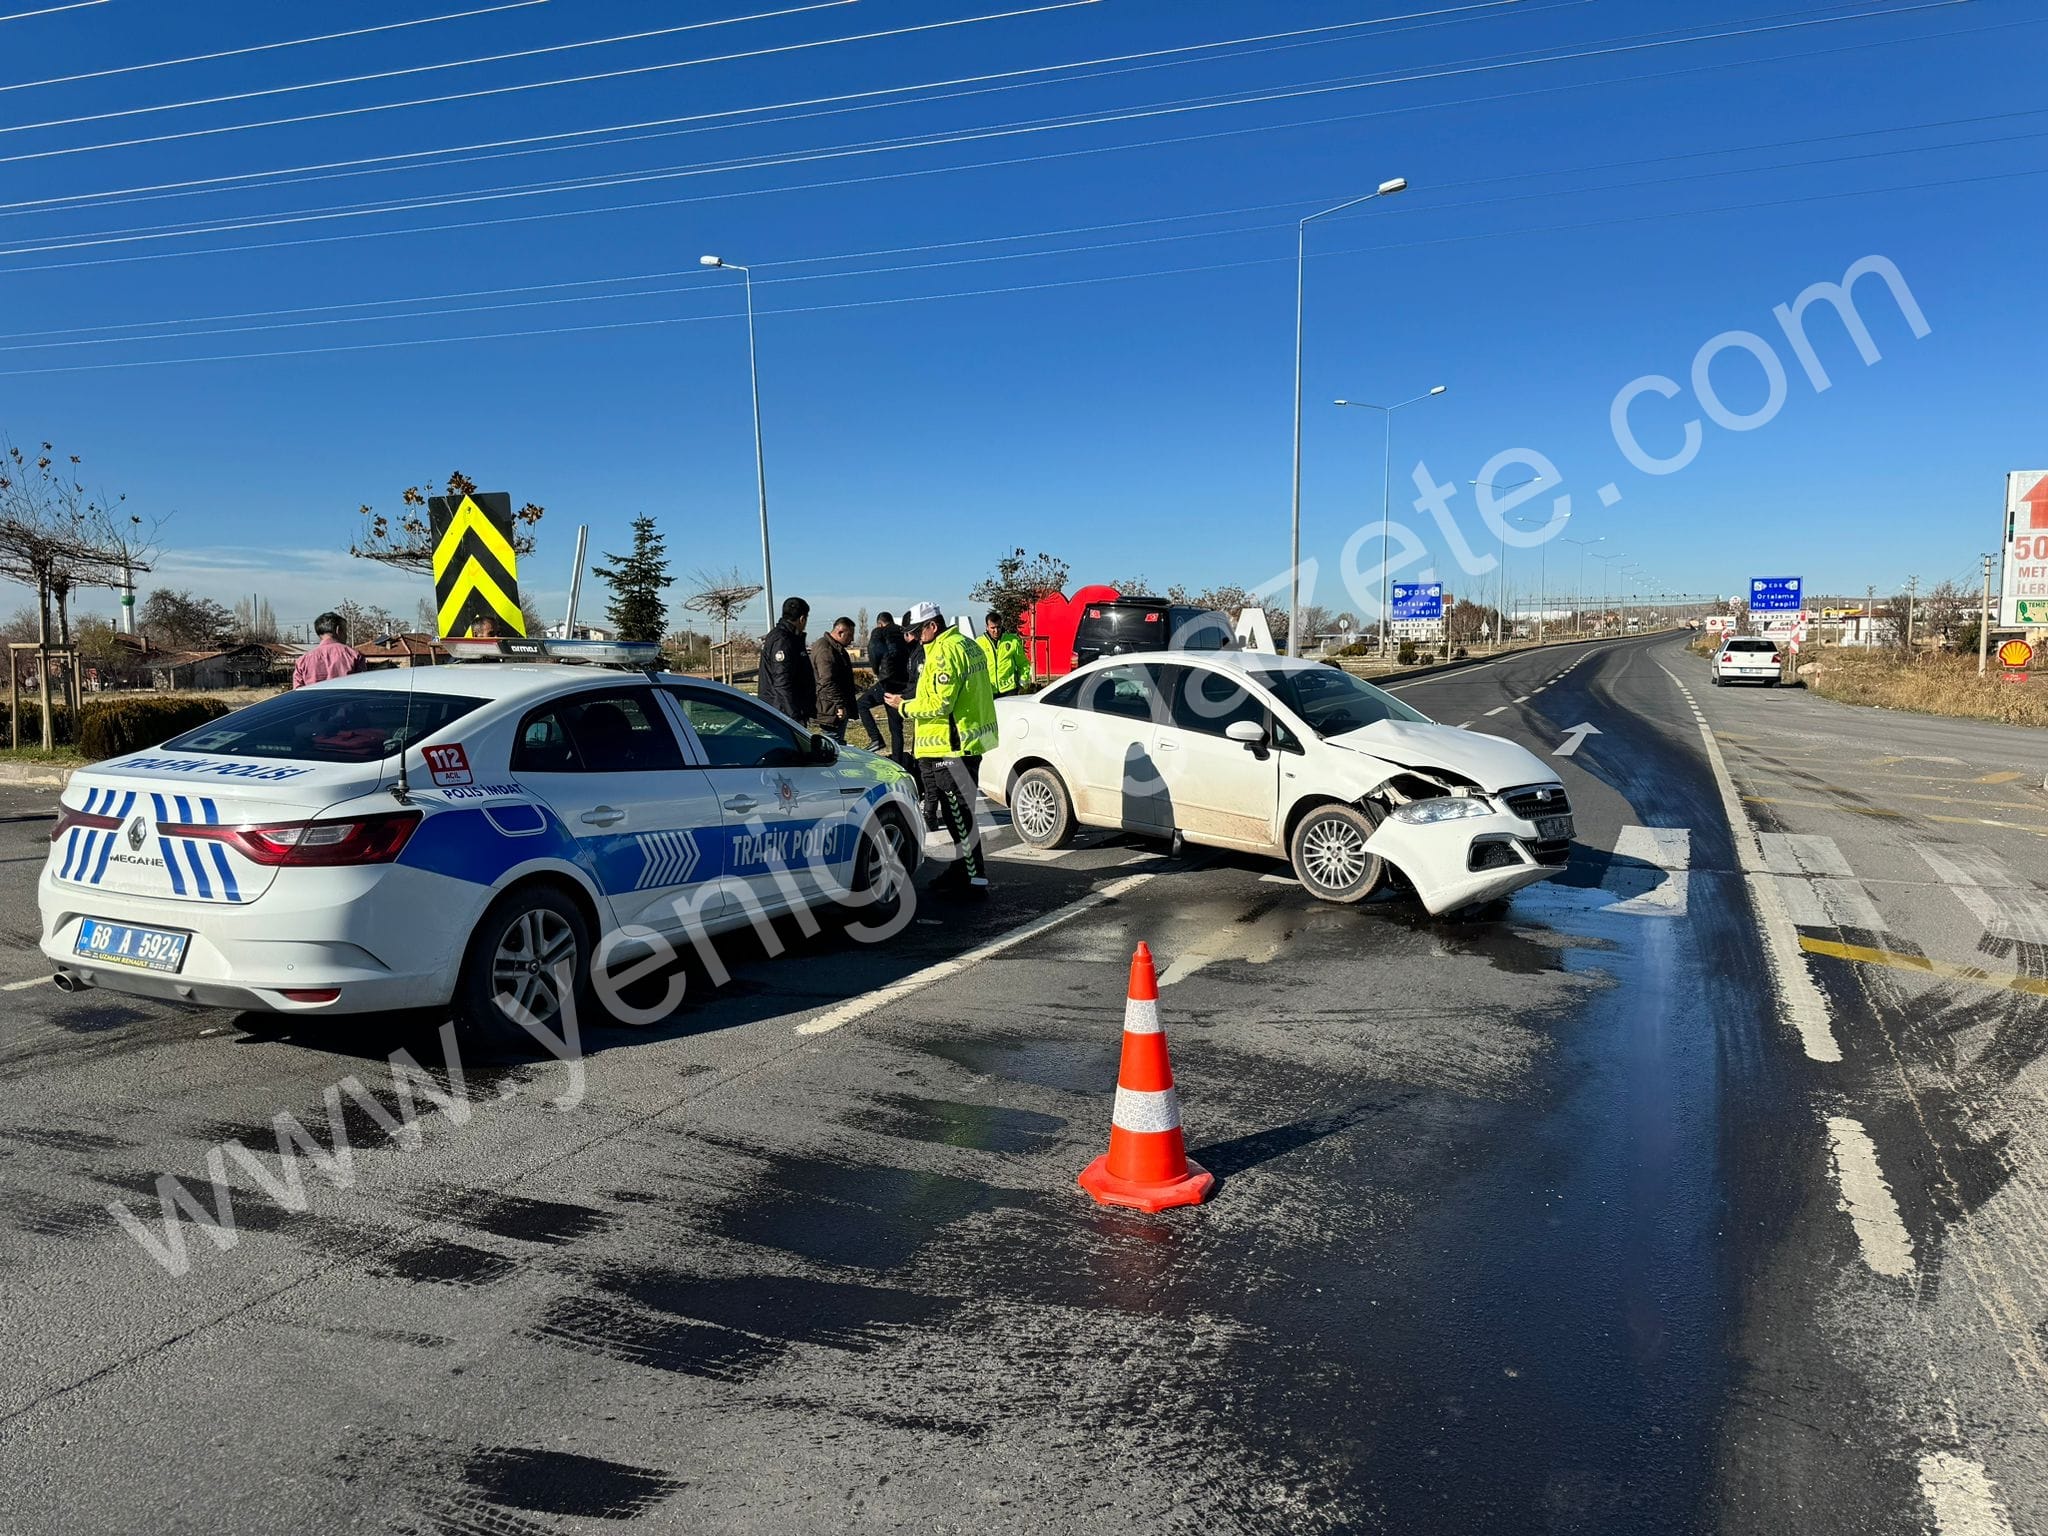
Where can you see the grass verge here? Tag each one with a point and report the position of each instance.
(1928, 685)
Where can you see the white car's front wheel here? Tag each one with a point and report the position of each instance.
(1330, 857)
(1040, 809)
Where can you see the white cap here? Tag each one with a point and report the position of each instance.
(920, 614)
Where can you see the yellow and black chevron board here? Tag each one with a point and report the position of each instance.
(476, 570)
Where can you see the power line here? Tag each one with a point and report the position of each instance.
(52, 10)
(1746, 206)
(542, 85)
(236, 53)
(591, 137)
(413, 69)
(291, 319)
(941, 140)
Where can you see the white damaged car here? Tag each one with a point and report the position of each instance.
(1285, 757)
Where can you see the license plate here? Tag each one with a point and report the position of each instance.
(1551, 829)
(147, 949)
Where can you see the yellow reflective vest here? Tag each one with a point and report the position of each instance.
(953, 713)
(1009, 664)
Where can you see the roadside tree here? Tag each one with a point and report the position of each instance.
(638, 610)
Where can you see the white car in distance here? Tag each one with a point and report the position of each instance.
(463, 837)
(1749, 659)
(1285, 757)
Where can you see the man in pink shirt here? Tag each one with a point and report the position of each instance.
(332, 657)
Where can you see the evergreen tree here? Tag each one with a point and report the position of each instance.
(638, 610)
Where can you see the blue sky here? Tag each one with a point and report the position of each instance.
(1074, 338)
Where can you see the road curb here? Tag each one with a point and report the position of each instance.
(34, 775)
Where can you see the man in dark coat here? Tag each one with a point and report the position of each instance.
(887, 658)
(832, 665)
(787, 682)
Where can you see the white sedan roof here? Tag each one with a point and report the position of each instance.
(505, 679)
(1224, 661)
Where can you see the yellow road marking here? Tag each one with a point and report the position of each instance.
(2000, 778)
(1893, 960)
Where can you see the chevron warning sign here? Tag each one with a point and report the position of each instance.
(476, 570)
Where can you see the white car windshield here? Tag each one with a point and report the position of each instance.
(1331, 701)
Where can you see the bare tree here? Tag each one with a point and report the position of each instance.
(407, 540)
(56, 536)
(721, 595)
(1941, 613)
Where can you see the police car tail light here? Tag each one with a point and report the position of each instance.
(299, 844)
(68, 818)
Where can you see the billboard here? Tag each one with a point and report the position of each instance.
(2023, 595)
(1775, 594)
(1418, 600)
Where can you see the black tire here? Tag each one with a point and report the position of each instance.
(1716, 679)
(530, 954)
(1041, 810)
(885, 838)
(1329, 856)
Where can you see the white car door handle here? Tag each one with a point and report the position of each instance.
(1068, 725)
(1168, 746)
(604, 816)
(741, 803)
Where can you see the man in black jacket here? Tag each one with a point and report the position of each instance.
(832, 666)
(787, 682)
(886, 657)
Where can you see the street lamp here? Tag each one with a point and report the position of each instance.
(760, 461)
(1584, 545)
(1606, 578)
(1502, 559)
(1387, 492)
(1385, 189)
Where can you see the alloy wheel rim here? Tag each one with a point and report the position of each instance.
(532, 969)
(1036, 812)
(1334, 854)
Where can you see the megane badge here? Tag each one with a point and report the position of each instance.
(138, 829)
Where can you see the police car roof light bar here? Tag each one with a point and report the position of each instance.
(636, 655)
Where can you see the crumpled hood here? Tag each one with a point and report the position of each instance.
(1487, 760)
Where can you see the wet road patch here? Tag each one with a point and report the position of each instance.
(947, 1122)
(434, 1261)
(561, 1483)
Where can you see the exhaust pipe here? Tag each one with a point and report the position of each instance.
(66, 982)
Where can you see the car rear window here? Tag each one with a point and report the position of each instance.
(1752, 645)
(328, 725)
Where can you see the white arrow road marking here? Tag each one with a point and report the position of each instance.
(1574, 739)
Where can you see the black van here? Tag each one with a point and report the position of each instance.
(1149, 624)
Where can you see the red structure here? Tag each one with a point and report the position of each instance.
(1048, 628)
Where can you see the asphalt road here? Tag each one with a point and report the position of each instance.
(1698, 1189)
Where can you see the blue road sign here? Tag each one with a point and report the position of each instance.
(1418, 600)
(1775, 594)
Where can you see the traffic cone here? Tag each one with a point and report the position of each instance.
(1147, 1166)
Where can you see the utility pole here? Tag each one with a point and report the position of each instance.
(1984, 624)
(1912, 591)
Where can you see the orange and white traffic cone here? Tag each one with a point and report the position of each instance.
(1147, 1166)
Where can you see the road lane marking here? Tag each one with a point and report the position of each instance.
(1892, 959)
(1962, 1495)
(1867, 1200)
(1501, 711)
(2006, 907)
(917, 981)
(23, 986)
(1523, 699)
(1668, 852)
(1575, 738)
(1799, 997)
(2000, 778)
(1816, 883)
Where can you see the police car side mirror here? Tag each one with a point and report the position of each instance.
(823, 748)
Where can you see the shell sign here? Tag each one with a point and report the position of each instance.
(2015, 654)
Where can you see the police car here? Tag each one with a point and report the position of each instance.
(461, 836)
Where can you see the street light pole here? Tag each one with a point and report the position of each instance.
(1579, 628)
(1385, 189)
(1387, 494)
(760, 458)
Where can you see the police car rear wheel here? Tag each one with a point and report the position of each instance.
(527, 965)
(1330, 857)
(1040, 809)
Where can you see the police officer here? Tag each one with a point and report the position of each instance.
(1009, 664)
(953, 718)
(889, 658)
(787, 682)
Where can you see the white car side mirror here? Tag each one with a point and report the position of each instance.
(1247, 732)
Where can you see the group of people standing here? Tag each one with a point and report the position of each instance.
(925, 671)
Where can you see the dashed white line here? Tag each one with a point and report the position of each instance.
(1880, 1232)
(917, 981)
(1502, 710)
(1523, 699)
(1961, 1494)
(23, 986)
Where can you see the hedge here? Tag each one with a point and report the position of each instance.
(113, 727)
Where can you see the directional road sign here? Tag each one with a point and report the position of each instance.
(1418, 600)
(1775, 594)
